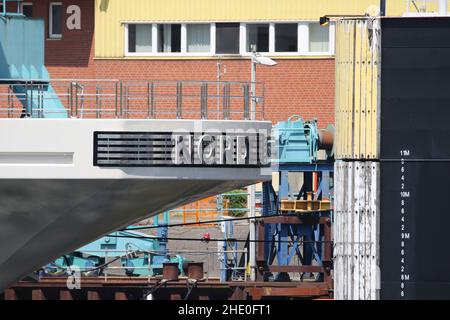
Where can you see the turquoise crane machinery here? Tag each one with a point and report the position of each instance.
(127, 252)
(297, 217)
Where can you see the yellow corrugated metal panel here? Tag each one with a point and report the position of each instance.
(424, 6)
(342, 84)
(369, 92)
(110, 14)
(364, 41)
(357, 92)
(375, 144)
(357, 102)
(338, 74)
(350, 89)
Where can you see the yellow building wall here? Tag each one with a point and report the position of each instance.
(111, 14)
(357, 109)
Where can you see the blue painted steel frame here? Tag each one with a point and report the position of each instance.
(158, 251)
(229, 245)
(281, 236)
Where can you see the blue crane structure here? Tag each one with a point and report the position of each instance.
(122, 253)
(297, 222)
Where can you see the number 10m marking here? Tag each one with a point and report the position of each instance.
(404, 232)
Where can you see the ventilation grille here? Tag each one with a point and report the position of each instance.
(166, 149)
(133, 149)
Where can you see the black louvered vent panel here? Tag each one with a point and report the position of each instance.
(166, 149)
(133, 149)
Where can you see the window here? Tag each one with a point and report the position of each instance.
(286, 37)
(258, 34)
(140, 38)
(319, 38)
(198, 38)
(227, 38)
(205, 39)
(27, 9)
(169, 38)
(55, 20)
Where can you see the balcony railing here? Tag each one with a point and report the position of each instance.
(108, 99)
(10, 7)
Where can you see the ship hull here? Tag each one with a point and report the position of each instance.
(55, 199)
(35, 228)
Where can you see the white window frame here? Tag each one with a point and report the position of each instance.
(212, 40)
(244, 35)
(183, 40)
(303, 37)
(331, 41)
(139, 54)
(287, 54)
(212, 37)
(332, 47)
(242, 38)
(302, 41)
(272, 38)
(22, 4)
(50, 21)
(241, 42)
(155, 36)
(155, 51)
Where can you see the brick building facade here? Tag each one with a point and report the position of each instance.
(298, 85)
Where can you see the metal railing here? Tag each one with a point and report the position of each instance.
(112, 265)
(11, 8)
(237, 273)
(108, 99)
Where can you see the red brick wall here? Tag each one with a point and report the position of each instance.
(302, 87)
(74, 52)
